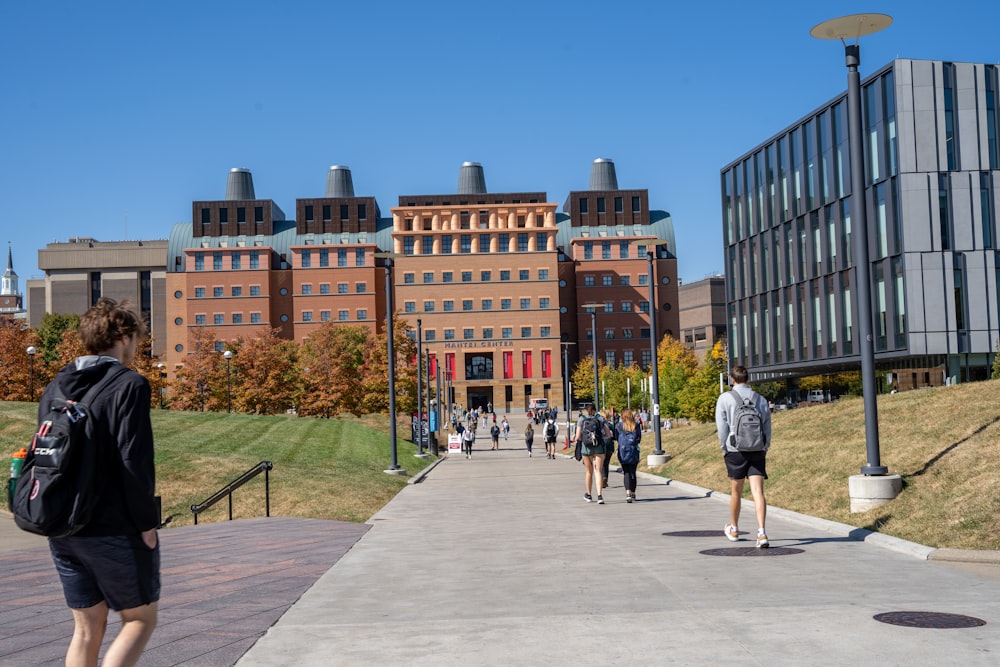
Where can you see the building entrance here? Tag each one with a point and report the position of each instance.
(480, 397)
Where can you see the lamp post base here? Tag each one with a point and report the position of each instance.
(395, 471)
(657, 459)
(868, 492)
(422, 456)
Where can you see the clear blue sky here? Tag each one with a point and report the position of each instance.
(117, 115)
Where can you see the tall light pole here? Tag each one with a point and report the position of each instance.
(843, 28)
(592, 309)
(420, 388)
(31, 364)
(228, 356)
(163, 380)
(394, 468)
(654, 389)
(567, 395)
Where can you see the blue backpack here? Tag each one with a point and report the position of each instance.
(628, 446)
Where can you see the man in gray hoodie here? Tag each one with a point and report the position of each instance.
(741, 465)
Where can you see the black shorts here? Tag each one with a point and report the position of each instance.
(741, 465)
(118, 569)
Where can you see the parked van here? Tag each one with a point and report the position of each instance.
(817, 396)
(538, 404)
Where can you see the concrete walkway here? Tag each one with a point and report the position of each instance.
(498, 560)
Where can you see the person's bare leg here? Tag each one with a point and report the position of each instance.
(735, 500)
(599, 473)
(138, 624)
(588, 468)
(88, 633)
(759, 501)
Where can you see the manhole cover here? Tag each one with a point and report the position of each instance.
(928, 619)
(751, 551)
(698, 533)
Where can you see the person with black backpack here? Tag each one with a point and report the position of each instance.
(113, 560)
(629, 434)
(743, 420)
(590, 428)
(550, 432)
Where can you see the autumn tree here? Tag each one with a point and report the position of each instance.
(18, 371)
(331, 364)
(50, 334)
(375, 372)
(197, 385)
(698, 397)
(262, 372)
(677, 364)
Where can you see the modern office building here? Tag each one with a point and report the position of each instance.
(702, 313)
(497, 280)
(80, 271)
(932, 165)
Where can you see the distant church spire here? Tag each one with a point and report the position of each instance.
(9, 287)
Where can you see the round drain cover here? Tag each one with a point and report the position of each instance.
(697, 533)
(928, 619)
(752, 551)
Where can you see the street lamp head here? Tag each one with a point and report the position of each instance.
(852, 26)
(227, 355)
(160, 366)
(591, 307)
(31, 350)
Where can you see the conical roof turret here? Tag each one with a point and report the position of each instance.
(239, 187)
(339, 182)
(471, 180)
(602, 175)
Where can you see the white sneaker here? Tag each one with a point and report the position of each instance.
(732, 533)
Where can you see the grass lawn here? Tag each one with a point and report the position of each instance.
(323, 468)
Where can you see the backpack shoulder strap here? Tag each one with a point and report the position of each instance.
(113, 372)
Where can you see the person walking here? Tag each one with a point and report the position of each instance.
(468, 438)
(505, 427)
(495, 434)
(744, 459)
(629, 434)
(589, 433)
(529, 438)
(609, 444)
(550, 432)
(113, 562)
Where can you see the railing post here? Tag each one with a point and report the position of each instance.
(267, 490)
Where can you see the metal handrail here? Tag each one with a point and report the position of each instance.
(227, 490)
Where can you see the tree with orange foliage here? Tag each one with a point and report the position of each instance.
(197, 385)
(16, 365)
(331, 362)
(263, 373)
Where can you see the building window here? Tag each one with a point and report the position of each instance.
(466, 304)
(643, 306)
(623, 249)
(449, 334)
(223, 216)
(524, 274)
(255, 318)
(341, 256)
(636, 206)
(466, 243)
(522, 242)
(206, 216)
(234, 261)
(588, 250)
(504, 276)
(542, 241)
(428, 306)
(609, 334)
(484, 243)
(255, 290)
(199, 319)
(643, 278)
(237, 290)
(543, 274)
(254, 259)
(343, 315)
(625, 280)
(525, 332)
(543, 302)
(626, 306)
(341, 288)
(507, 332)
(545, 332)
(487, 332)
(468, 334)
(199, 292)
(359, 257)
(258, 214)
(237, 318)
(526, 304)
(430, 335)
(216, 261)
(410, 307)
(409, 278)
(466, 276)
(588, 281)
(609, 358)
(307, 316)
(199, 261)
(504, 304)
(324, 288)
(485, 276)
(449, 305)
(626, 333)
(307, 288)
(217, 292)
(609, 307)
(446, 244)
(584, 208)
(408, 243)
(428, 277)
(306, 259)
(362, 211)
(218, 318)
(487, 304)
(427, 245)
(447, 277)
(605, 249)
(362, 314)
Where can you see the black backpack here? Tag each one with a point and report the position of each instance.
(747, 433)
(56, 492)
(591, 428)
(550, 430)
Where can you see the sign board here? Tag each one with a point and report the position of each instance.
(434, 421)
(454, 443)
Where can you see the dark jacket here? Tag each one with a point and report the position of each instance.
(126, 474)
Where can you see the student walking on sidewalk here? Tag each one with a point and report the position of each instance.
(629, 434)
(745, 439)
(590, 434)
(529, 438)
